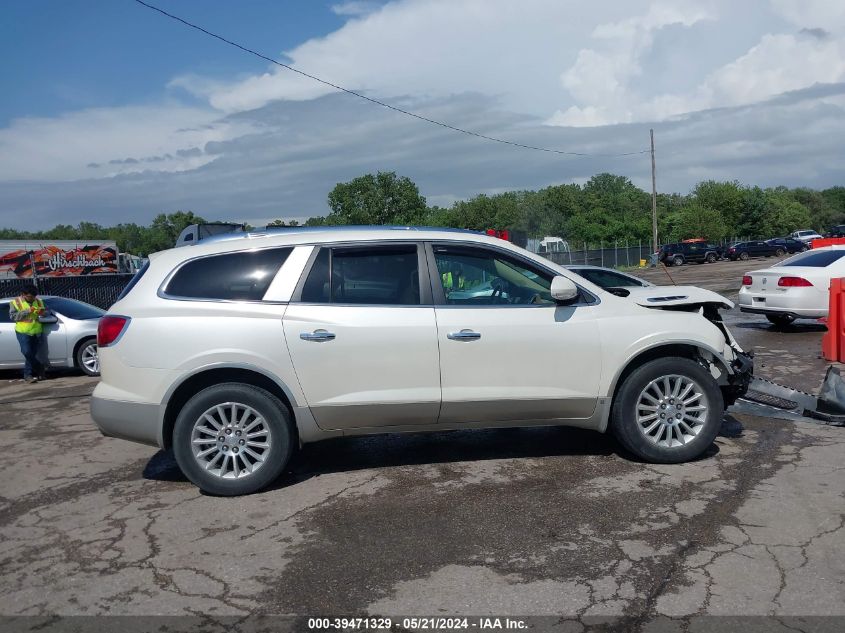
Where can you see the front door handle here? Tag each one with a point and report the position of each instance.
(463, 335)
(317, 336)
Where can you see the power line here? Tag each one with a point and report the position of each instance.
(376, 101)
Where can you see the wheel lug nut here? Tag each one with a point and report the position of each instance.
(677, 406)
(221, 439)
(234, 449)
(678, 415)
(662, 415)
(662, 406)
(671, 401)
(225, 448)
(228, 431)
(238, 433)
(241, 442)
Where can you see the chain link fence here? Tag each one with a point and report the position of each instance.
(613, 254)
(98, 290)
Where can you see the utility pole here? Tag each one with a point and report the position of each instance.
(653, 197)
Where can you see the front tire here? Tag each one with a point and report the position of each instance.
(87, 358)
(711, 258)
(668, 411)
(780, 252)
(233, 439)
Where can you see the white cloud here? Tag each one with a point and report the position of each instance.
(98, 142)
(355, 8)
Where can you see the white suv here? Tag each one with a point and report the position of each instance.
(235, 351)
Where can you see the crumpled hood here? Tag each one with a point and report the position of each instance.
(670, 296)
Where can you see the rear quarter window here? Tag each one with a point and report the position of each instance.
(243, 276)
(815, 259)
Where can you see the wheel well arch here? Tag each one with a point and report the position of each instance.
(82, 341)
(677, 350)
(214, 376)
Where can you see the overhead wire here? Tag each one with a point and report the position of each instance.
(378, 101)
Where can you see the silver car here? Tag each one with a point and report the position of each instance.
(71, 339)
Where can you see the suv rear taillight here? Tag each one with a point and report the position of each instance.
(746, 280)
(793, 282)
(110, 329)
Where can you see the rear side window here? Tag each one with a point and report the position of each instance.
(232, 276)
(5, 316)
(73, 309)
(377, 275)
(815, 259)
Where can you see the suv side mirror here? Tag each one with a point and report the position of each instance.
(563, 289)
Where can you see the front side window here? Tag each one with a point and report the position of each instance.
(471, 276)
(243, 276)
(372, 275)
(5, 316)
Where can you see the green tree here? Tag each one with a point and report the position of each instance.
(696, 220)
(383, 198)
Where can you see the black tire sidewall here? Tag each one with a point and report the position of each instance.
(623, 414)
(269, 406)
(677, 261)
(744, 256)
(79, 365)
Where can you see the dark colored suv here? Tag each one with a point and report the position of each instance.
(700, 252)
(836, 231)
(754, 248)
(787, 245)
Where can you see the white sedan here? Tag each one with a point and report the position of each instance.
(797, 288)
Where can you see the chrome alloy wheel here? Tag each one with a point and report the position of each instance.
(231, 440)
(672, 410)
(91, 359)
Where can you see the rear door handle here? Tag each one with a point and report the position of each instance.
(463, 335)
(317, 336)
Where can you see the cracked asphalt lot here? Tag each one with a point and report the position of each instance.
(520, 522)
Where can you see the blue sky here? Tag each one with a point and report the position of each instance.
(113, 113)
(75, 54)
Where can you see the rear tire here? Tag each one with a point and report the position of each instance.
(677, 260)
(233, 439)
(711, 258)
(692, 407)
(743, 256)
(780, 319)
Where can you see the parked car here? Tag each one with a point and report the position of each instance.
(836, 231)
(805, 235)
(754, 248)
(797, 288)
(71, 339)
(784, 245)
(232, 353)
(684, 252)
(607, 277)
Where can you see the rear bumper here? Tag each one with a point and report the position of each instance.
(134, 421)
(796, 314)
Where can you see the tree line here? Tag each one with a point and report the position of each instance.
(607, 208)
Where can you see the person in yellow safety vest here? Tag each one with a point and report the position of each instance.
(24, 312)
(454, 279)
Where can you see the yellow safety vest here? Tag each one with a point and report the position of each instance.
(448, 282)
(30, 326)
